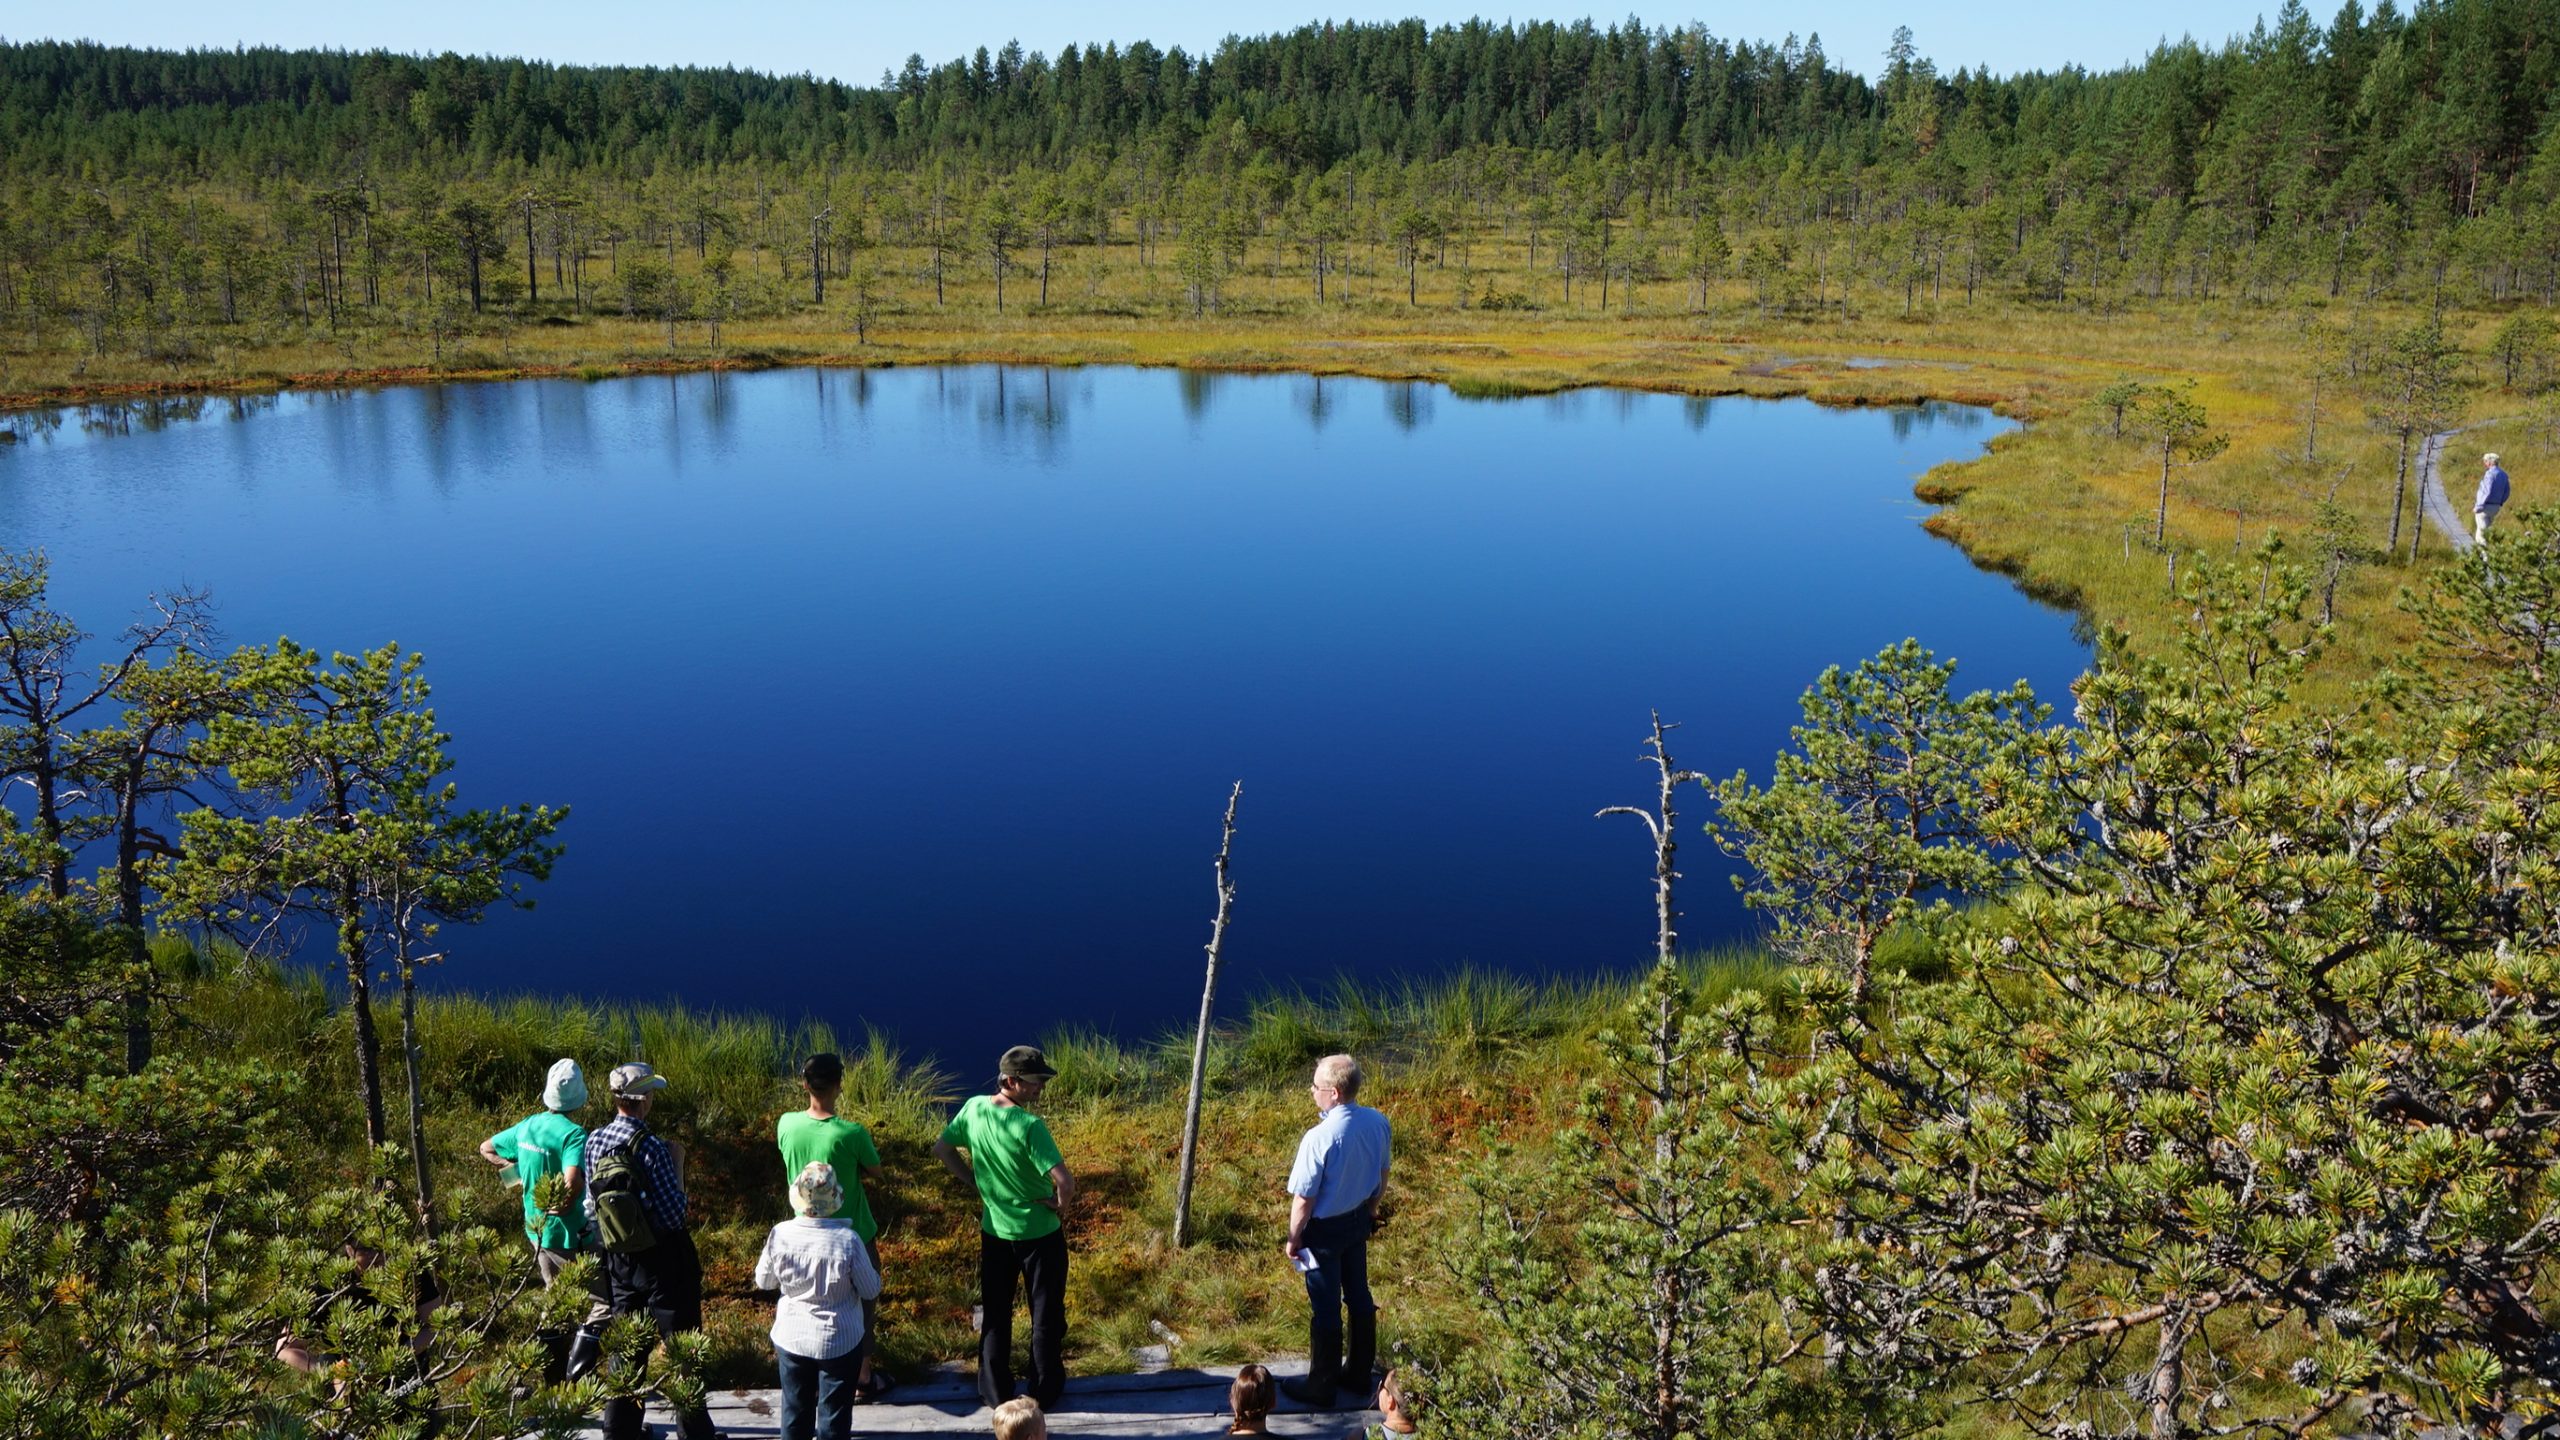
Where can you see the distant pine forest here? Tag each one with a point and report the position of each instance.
(149, 198)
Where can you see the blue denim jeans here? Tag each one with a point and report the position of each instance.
(817, 1395)
(1338, 1285)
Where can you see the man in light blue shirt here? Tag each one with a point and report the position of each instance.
(1334, 1188)
(2489, 499)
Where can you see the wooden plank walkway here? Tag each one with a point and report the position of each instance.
(1163, 1403)
(2453, 521)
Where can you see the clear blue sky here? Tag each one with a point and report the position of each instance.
(856, 39)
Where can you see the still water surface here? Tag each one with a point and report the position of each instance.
(912, 697)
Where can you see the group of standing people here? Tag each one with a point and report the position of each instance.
(622, 1194)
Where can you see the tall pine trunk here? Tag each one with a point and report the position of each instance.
(377, 1130)
(2399, 495)
(415, 1057)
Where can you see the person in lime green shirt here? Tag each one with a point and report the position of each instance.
(1023, 1189)
(819, 1136)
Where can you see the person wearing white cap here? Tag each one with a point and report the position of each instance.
(544, 1144)
(819, 1267)
(2489, 500)
(661, 1276)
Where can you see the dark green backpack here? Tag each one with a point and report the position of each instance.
(618, 1182)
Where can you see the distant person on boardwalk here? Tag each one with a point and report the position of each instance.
(545, 1144)
(827, 1281)
(636, 1200)
(1250, 1399)
(2491, 499)
(1334, 1188)
(819, 1136)
(1021, 1419)
(1023, 1189)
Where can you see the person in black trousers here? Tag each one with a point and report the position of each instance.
(1023, 1190)
(663, 1281)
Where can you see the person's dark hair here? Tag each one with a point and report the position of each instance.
(825, 1071)
(1251, 1395)
(1392, 1388)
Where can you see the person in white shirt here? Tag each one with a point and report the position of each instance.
(824, 1275)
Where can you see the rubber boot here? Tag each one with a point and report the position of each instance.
(586, 1351)
(1360, 1371)
(1324, 1365)
(1316, 1391)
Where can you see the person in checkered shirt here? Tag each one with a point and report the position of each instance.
(663, 1282)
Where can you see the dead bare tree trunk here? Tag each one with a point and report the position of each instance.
(1664, 842)
(1200, 1039)
(1670, 1287)
(1662, 822)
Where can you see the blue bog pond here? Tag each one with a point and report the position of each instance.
(912, 697)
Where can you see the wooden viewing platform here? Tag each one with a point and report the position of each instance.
(1159, 1403)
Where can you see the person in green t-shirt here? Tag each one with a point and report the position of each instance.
(819, 1136)
(542, 1145)
(1023, 1189)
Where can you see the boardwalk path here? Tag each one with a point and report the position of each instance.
(2451, 520)
(1163, 1403)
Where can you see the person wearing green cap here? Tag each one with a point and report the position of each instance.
(1023, 1188)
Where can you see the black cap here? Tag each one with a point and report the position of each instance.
(1023, 1062)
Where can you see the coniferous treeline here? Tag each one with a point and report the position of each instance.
(2444, 104)
(160, 204)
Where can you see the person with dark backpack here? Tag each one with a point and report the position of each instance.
(635, 1197)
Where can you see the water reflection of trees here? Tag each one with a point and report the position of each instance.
(125, 417)
(1909, 420)
(1011, 409)
(1410, 403)
(1317, 405)
(30, 425)
(1199, 387)
(128, 417)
